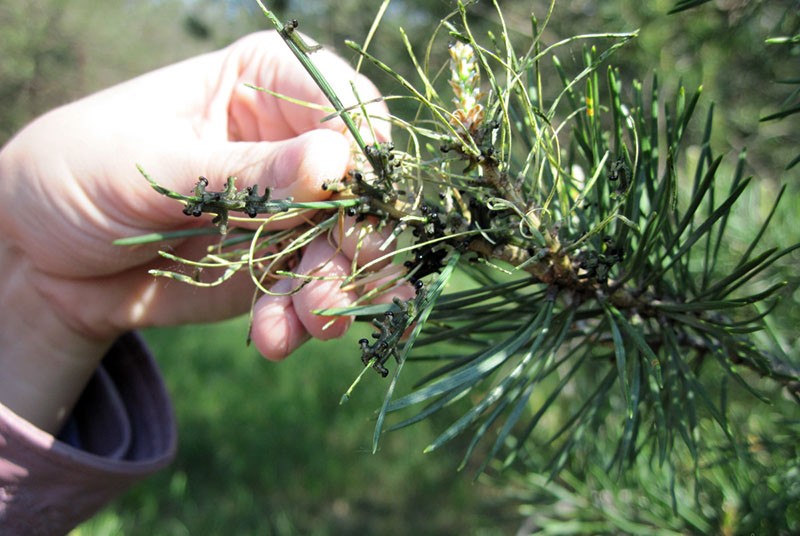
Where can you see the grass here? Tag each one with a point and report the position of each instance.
(266, 448)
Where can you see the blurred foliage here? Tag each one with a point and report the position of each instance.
(266, 449)
(54, 51)
(753, 491)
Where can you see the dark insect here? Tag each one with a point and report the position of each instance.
(288, 32)
(381, 158)
(597, 265)
(246, 200)
(429, 255)
(619, 172)
(391, 329)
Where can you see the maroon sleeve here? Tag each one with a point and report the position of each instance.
(121, 430)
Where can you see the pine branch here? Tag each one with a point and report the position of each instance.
(603, 291)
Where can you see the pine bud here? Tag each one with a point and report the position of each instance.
(465, 79)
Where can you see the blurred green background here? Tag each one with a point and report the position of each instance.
(266, 448)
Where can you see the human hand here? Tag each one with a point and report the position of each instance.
(69, 188)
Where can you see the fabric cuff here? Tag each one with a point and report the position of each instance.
(121, 430)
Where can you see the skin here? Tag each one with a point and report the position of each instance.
(69, 188)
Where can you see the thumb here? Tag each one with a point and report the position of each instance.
(296, 168)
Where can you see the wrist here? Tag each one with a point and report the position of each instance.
(44, 363)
